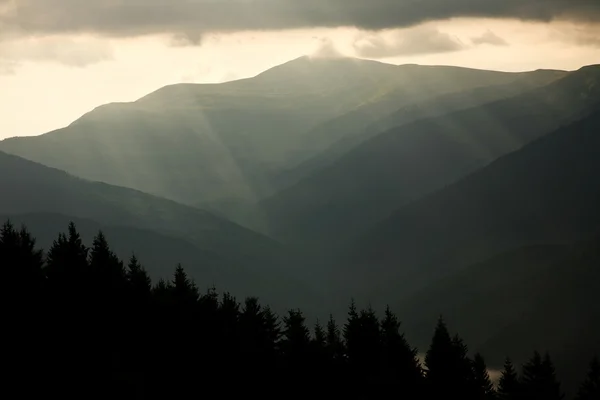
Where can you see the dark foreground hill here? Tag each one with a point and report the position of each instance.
(540, 296)
(108, 330)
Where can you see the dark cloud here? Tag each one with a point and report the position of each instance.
(193, 17)
(420, 40)
(489, 37)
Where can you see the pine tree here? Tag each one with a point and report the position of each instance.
(464, 379)
(296, 336)
(319, 338)
(228, 339)
(334, 344)
(185, 291)
(484, 388)
(438, 360)
(553, 390)
(590, 388)
(509, 386)
(449, 371)
(21, 261)
(351, 331)
(67, 265)
(400, 364)
(31, 259)
(539, 379)
(260, 335)
(108, 270)
(272, 331)
(295, 348)
(318, 356)
(138, 278)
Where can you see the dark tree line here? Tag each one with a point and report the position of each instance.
(78, 322)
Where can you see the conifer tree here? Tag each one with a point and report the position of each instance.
(400, 365)
(67, 259)
(438, 360)
(271, 329)
(21, 261)
(295, 347)
(539, 379)
(590, 388)
(138, 278)
(296, 336)
(318, 356)
(449, 371)
(185, 291)
(334, 344)
(319, 338)
(108, 271)
(509, 386)
(553, 390)
(351, 332)
(464, 380)
(259, 340)
(483, 386)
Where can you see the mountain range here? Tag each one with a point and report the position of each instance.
(435, 189)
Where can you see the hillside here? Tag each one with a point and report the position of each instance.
(220, 251)
(363, 123)
(220, 145)
(415, 159)
(545, 193)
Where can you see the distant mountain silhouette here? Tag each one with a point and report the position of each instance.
(412, 160)
(222, 146)
(219, 252)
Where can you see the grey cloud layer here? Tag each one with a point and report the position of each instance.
(190, 17)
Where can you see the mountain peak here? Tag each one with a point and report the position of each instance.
(310, 66)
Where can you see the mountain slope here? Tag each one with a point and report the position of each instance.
(235, 252)
(410, 161)
(360, 125)
(547, 192)
(225, 143)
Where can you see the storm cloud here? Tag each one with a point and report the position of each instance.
(191, 18)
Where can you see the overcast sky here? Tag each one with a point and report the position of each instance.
(61, 58)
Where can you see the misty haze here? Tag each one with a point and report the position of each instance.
(268, 196)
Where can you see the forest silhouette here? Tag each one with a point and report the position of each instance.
(80, 322)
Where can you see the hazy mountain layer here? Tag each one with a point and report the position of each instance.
(217, 250)
(410, 161)
(545, 193)
(222, 145)
(363, 123)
